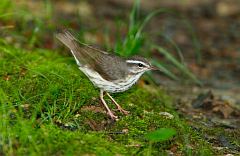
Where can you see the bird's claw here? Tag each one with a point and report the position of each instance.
(114, 117)
(123, 111)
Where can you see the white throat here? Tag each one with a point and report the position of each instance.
(131, 81)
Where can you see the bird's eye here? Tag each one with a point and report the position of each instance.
(140, 65)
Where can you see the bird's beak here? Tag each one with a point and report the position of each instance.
(154, 68)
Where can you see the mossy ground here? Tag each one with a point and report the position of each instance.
(48, 107)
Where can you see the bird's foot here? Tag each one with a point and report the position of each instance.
(123, 111)
(114, 117)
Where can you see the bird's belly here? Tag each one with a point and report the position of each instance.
(112, 87)
(126, 84)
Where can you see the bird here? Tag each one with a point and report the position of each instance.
(108, 72)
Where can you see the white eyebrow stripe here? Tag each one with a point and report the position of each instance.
(136, 62)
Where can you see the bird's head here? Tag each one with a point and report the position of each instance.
(138, 64)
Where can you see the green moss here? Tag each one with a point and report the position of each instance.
(42, 94)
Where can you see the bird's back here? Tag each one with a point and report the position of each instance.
(110, 67)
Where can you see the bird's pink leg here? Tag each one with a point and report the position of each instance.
(118, 106)
(106, 106)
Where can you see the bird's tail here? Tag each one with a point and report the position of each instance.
(67, 38)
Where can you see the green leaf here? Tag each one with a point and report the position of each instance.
(161, 134)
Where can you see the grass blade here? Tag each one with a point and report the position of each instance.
(179, 52)
(164, 70)
(180, 66)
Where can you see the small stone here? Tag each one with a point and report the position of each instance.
(125, 130)
(77, 115)
(166, 115)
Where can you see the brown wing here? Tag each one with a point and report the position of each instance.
(110, 67)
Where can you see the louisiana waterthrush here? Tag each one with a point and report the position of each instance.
(110, 73)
